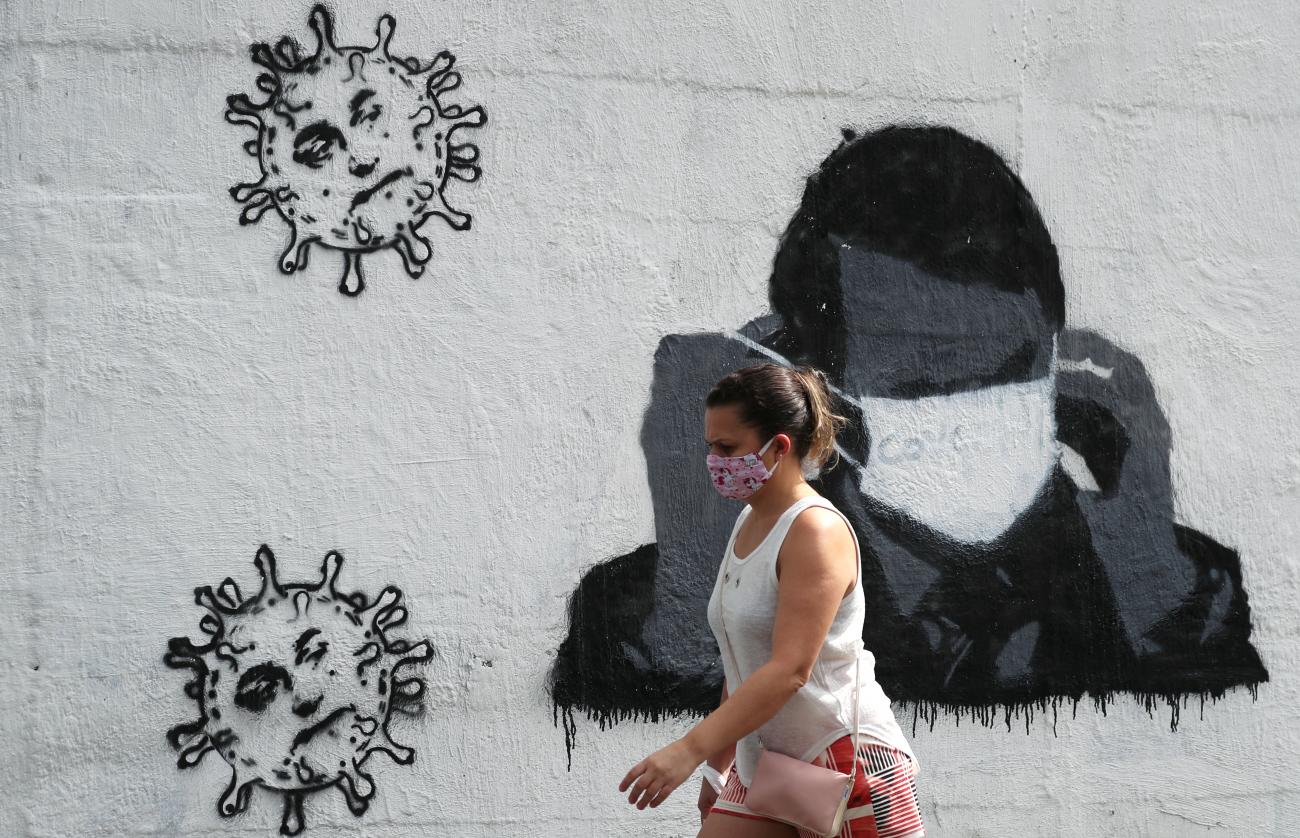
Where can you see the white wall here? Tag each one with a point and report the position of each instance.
(171, 401)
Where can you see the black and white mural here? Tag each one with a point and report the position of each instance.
(1008, 475)
(355, 147)
(295, 687)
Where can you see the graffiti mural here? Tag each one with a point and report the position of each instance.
(1008, 476)
(355, 147)
(296, 687)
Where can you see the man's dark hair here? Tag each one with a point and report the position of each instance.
(929, 195)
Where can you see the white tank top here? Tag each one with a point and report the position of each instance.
(744, 602)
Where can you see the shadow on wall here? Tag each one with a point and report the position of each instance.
(1008, 477)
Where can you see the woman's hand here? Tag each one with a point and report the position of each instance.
(655, 777)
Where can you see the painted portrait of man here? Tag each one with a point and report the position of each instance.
(1007, 475)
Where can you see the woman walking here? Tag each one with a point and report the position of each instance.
(787, 610)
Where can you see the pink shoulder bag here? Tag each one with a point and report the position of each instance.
(801, 794)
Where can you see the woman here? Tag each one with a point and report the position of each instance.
(787, 611)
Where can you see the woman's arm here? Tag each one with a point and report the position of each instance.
(816, 568)
(720, 762)
(723, 759)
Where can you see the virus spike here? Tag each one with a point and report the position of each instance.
(329, 572)
(245, 192)
(194, 752)
(251, 147)
(229, 591)
(422, 118)
(409, 690)
(357, 787)
(383, 744)
(239, 103)
(289, 51)
(469, 174)
(267, 84)
(356, 65)
(458, 220)
(444, 83)
(411, 652)
(182, 654)
(388, 599)
(439, 67)
(473, 118)
(204, 596)
(460, 163)
(370, 655)
(384, 35)
(301, 603)
(235, 798)
(414, 250)
(184, 732)
(409, 710)
(291, 821)
(353, 281)
(254, 210)
(238, 118)
(261, 54)
(322, 23)
(392, 618)
(463, 153)
(264, 561)
(209, 625)
(412, 263)
(294, 257)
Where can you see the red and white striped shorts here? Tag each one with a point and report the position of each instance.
(883, 802)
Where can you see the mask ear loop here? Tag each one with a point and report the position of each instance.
(763, 450)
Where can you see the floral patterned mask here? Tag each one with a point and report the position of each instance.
(740, 477)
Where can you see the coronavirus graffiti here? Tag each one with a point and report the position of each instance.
(355, 147)
(296, 687)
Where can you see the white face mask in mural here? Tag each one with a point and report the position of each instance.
(966, 464)
(740, 477)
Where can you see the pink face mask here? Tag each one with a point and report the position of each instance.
(740, 477)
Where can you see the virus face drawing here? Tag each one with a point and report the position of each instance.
(295, 688)
(354, 146)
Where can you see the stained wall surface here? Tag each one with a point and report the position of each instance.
(459, 450)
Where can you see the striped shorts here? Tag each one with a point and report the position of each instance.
(883, 803)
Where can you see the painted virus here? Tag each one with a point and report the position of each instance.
(296, 687)
(355, 147)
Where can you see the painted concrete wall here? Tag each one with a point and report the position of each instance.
(173, 401)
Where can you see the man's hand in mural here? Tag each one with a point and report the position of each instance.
(658, 775)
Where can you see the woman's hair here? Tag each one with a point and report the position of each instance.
(777, 399)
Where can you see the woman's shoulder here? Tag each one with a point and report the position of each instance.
(819, 525)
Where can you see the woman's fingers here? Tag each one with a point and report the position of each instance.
(651, 790)
(648, 783)
(661, 796)
(639, 788)
(637, 771)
